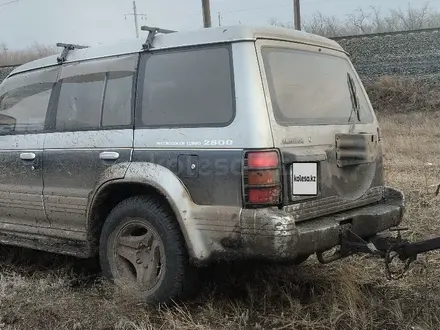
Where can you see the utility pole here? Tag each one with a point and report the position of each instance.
(206, 13)
(135, 15)
(135, 19)
(219, 19)
(297, 14)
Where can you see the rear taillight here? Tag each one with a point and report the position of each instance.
(262, 178)
(263, 159)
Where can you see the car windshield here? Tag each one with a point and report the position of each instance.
(309, 88)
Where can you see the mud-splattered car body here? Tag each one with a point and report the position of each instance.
(262, 141)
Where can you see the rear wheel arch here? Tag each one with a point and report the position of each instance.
(109, 195)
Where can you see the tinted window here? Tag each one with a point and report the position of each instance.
(117, 102)
(311, 88)
(79, 105)
(24, 109)
(188, 88)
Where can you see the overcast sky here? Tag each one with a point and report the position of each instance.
(26, 22)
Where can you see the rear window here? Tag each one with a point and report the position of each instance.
(187, 88)
(309, 88)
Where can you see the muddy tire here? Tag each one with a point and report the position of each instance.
(142, 248)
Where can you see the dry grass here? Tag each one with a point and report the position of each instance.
(44, 291)
(13, 57)
(394, 94)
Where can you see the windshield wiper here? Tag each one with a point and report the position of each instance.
(355, 108)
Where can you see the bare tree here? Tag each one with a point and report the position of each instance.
(370, 21)
(323, 25)
(360, 20)
(412, 19)
(378, 23)
(275, 22)
(20, 56)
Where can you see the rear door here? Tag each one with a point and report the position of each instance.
(91, 136)
(324, 126)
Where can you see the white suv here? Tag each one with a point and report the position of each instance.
(222, 143)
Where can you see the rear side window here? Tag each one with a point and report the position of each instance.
(79, 105)
(308, 88)
(118, 97)
(96, 100)
(187, 88)
(23, 109)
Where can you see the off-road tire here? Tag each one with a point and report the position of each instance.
(179, 278)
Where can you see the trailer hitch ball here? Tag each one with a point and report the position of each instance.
(326, 257)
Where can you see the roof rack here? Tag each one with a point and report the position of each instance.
(67, 48)
(153, 31)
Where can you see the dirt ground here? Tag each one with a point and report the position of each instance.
(45, 291)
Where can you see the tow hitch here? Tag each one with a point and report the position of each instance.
(391, 249)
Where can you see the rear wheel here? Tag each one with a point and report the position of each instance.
(141, 246)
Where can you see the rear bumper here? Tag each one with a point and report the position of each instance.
(273, 233)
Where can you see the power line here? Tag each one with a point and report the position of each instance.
(255, 9)
(8, 3)
(289, 5)
(245, 9)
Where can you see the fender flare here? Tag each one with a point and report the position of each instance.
(169, 186)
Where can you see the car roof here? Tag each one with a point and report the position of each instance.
(186, 38)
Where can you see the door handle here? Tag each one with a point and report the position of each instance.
(27, 156)
(109, 155)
